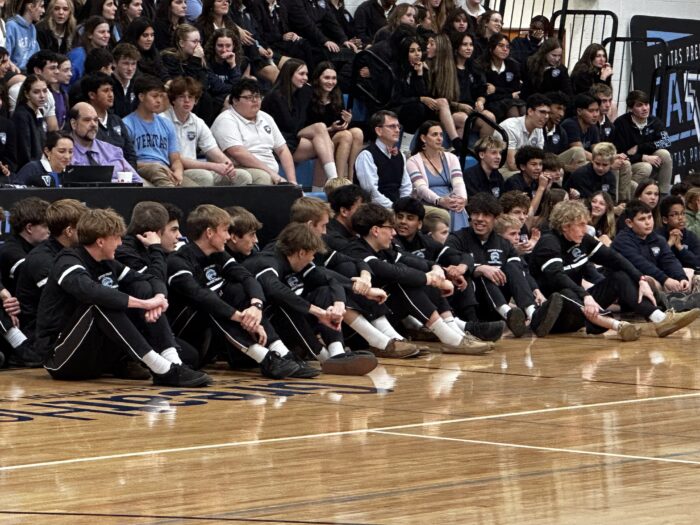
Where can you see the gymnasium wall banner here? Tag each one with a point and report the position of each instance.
(678, 99)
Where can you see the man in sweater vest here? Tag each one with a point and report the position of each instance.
(381, 167)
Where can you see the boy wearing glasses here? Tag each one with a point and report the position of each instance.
(251, 138)
(526, 130)
(381, 168)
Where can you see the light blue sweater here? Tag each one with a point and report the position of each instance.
(21, 40)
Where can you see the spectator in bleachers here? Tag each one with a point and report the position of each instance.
(155, 140)
(380, 167)
(528, 159)
(438, 12)
(96, 35)
(436, 175)
(215, 15)
(251, 137)
(107, 9)
(596, 175)
(692, 210)
(527, 130)
(28, 120)
(258, 51)
(582, 129)
(141, 34)
(88, 150)
(647, 191)
(346, 21)
(556, 140)
(591, 68)
(602, 208)
(545, 72)
(485, 177)
(314, 21)
(186, 59)
(472, 83)
(273, 19)
(522, 48)
(194, 136)
(489, 24)
(97, 90)
(502, 78)
(129, 10)
(59, 89)
(126, 58)
(8, 139)
(288, 103)
(401, 14)
(21, 41)
(169, 15)
(225, 63)
(46, 173)
(44, 64)
(474, 9)
(457, 21)
(644, 139)
(684, 244)
(57, 29)
(371, 16)
(327, 107)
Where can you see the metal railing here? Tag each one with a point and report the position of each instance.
(578, 28)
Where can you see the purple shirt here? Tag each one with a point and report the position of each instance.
(105, 154)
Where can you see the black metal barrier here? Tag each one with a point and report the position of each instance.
(467, 145)
(518, 13)
(578, 28)
(270, 204)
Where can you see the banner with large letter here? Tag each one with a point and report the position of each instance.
(677, 101)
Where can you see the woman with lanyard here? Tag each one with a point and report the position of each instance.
(46, 173)
(436, 175)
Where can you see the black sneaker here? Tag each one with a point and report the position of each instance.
(182, 375)
(275, 366)
(546, 315)
(350, 364)
(24, 356)
(516, 322)
(486, 330)
(306, 371)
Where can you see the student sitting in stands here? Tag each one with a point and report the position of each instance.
(595, 176)
(485, 177)
(498, 272)
(557, 264)
(62, 219)
(415, 287)
(155, 140)
(436, 226)
(308, 303)
(344, 202)
(684, 244)
(96, 313)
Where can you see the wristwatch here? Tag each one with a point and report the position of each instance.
(258, 305)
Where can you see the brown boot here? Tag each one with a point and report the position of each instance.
(675, 321)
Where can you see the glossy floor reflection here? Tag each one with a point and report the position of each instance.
(551, 431)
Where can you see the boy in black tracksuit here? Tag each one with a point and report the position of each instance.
(410, 213)
(62, 218)
(209, 289)
(558, 262)
(415, 287)
(365, 315)
(152, 234)
(344, 201)
(498, 272)
(87, 322)
(308, 304)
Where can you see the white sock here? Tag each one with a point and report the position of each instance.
(529, 311)
(335, 349)
(323, 355)
(330, 170)
(384, 326)
(171, 355)
(445, 333)
(257, 352)
(462, 324)
(15, 337)
(369, 333)
(503, 310)
(279, 347)
(156, 362)
(450, 321)
(616, 325)
(412, 323)
(657, 316)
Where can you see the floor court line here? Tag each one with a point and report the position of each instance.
(543, 449)
(193, 448)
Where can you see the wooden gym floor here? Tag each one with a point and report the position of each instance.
(562, 430)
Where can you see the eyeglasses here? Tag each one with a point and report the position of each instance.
(392, 126)
(256, 96)
(390, 226)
